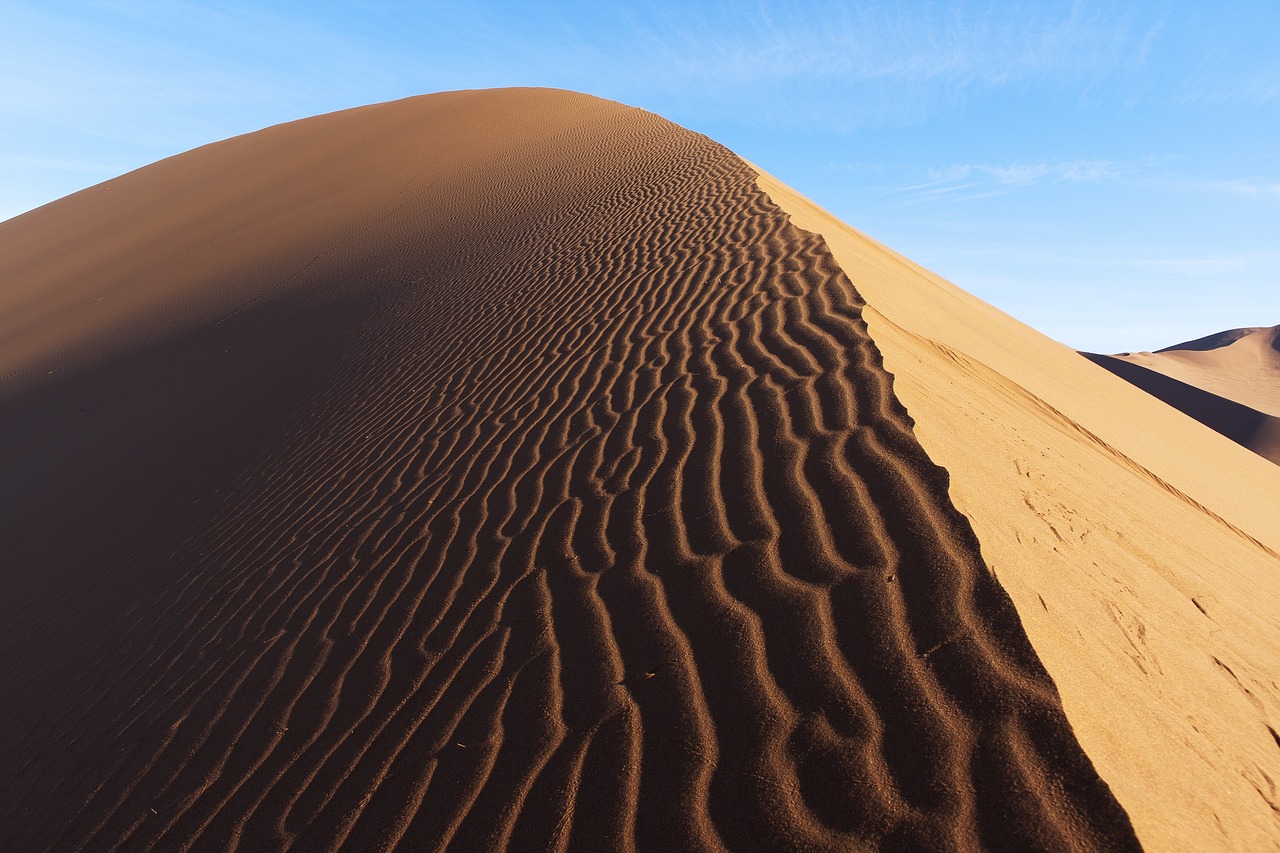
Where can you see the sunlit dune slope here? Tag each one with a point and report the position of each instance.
(490, 469)
(1139, 546)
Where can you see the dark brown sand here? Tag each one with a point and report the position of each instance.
(494, 469)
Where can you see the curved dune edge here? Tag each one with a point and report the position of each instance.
(557, 498)
(1139, 547)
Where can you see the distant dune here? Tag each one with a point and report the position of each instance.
(516, 469)
(1240, 364)
(1229, 381)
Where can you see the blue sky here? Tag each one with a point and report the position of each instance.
(1108, 172)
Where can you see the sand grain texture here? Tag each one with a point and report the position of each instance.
(492, 469)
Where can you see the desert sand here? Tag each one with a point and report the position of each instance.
(516, 469)
(1229, 381)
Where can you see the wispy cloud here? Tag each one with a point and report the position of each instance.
(1107, 298)
(1152, 258)
(857, 65)
(971, 181)
(1239, 187)
(961, 43)
(104, 67)
(1026, 174)
(834, 65)
(58, 164)
(1221, 78)
(982, 180)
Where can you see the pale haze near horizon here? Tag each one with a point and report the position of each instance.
(1106, 172)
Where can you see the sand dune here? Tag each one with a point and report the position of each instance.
(1242, 365)
(1229, 381)
(507, 469)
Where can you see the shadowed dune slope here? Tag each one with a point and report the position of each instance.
(487, 469)
(1140, 547)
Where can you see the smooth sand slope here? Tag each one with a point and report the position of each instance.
(494, 469)
(1229, 381)
(1140, 547)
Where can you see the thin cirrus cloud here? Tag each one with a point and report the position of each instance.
(959, 44)
(99, 69)
(832, 65)
(982, 180)
(845, 66)
(57, 164)
(1257, 189)
(965, 181)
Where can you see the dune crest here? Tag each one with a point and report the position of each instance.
(489, 469)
